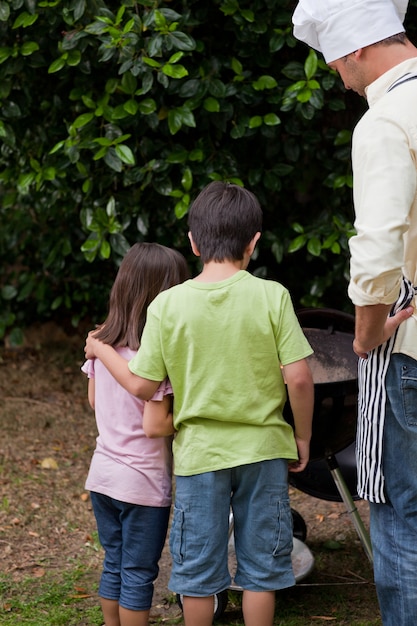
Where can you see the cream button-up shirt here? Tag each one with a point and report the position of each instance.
(384, 159)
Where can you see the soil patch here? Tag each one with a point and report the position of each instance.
(46, 520)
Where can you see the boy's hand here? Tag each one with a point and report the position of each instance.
(303, 448)
(91, 345)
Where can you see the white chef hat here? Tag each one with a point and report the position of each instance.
(338, 27)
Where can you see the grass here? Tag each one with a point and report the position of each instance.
(56, 599)
(69, 597)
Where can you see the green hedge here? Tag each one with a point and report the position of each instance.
(115, 114)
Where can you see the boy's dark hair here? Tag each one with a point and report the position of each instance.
(146, 270)
(223, 220)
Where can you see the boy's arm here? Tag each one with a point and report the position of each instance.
(158, 418)
(118, 368)
(300, 388)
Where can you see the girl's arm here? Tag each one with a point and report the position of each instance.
(118, 368)
(91, 392)
(158, 418)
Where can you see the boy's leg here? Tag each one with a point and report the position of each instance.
(198, 542)
(262, 526)
(258, 608)
(198, 611)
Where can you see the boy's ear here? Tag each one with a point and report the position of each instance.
(194, 248)
(252, 243)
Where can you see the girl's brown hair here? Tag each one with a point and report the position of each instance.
(146, 270)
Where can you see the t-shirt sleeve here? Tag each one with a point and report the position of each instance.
(148, 361)
(291, 341)
(164, 389)
(88, 368)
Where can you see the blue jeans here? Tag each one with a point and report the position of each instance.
(132, 537)
(258, 495)
(394, 524)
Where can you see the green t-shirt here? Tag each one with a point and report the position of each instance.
(222, 345)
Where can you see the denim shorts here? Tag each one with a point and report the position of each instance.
(258, 496)
(132, 537)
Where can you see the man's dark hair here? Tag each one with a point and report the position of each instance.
(223, 220)
(394, 39)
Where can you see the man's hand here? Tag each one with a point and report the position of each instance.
(373, 326)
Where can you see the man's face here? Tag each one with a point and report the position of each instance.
(351, 72)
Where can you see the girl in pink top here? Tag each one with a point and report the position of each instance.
(130, 474)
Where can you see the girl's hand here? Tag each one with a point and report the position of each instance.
(91, 344)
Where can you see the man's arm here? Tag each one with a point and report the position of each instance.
(373, 326)
(118, 368)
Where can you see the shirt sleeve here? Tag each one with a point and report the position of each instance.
(291, 341)
(164, 389)
(384, 188)
(88, 368)
(148, 361)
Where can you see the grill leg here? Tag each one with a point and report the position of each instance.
(350, 505)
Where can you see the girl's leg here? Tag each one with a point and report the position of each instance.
(198, 611)
(133, 618)
(144, 534)
(109, 529)
(110, 610)
(258, 608)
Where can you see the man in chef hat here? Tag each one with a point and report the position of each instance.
(365, 42)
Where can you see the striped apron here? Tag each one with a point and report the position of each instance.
(371, 408)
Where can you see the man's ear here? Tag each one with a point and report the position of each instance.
(194, 248)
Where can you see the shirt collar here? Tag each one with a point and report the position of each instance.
(380, 86)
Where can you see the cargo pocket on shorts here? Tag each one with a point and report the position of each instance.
(283, 534)
(176, 536)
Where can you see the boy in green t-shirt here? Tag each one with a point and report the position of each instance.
(227, 341)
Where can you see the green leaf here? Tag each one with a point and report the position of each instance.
(28, 48)
(297, 243)
(187, 179)
(125, 154)
(310, 65)
(182, 41)
(212, 105)
(174, 71)
(5, 53)
(174, 121)
(264, 82)
(314, 246)
(255, 121)
(56, 65)
(105, 250)
(343, 137)
(4, 11)
(25, 19)
(82, 120)
(8, 292)
(271, 119)
(146, 107)
(151, 62)
(131, 106)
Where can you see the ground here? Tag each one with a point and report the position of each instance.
(46, 520)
